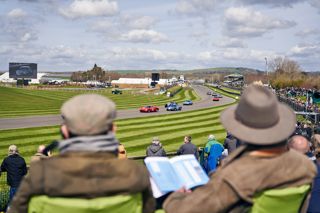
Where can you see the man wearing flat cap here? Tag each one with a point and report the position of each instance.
(263, 163)
(87, 166)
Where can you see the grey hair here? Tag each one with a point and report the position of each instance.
(211, 137)
(13, 149)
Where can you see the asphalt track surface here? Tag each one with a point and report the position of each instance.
(51, 120)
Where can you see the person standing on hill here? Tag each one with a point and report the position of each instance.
(155, 149)
(231, 143)
(188, 148)
(213, 150)
(211, 140)
(16, 169)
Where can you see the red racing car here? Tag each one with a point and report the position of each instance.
(149, 109)
(215, 99)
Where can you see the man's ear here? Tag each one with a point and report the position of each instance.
(114, 128)
(64, 131)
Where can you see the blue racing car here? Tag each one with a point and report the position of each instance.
(174, 107)
(187, 102)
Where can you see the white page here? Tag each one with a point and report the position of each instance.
(163, 174)
(189, 171)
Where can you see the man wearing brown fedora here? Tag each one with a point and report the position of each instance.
(87, 175)
(263, 163)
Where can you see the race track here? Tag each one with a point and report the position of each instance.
(50, 120)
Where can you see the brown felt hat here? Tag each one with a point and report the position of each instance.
(88, 114)
(259, 118)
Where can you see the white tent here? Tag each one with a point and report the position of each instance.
(6, 79)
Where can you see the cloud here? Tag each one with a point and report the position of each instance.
(104, 25)
(17, 27)
(195, 7)
(306, 50)
(230, 43)
(141, 53)
(141, 58)
(16, 13)
(316, 4)
(307, 32)
(137, 22)
(144, 36)
(28, 36)
(64, 52)
(234, 55)
(273, 3)
(120, 25)
(90, 8)
(246, 22)
(5, 50)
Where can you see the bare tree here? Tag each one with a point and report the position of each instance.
(282, 65)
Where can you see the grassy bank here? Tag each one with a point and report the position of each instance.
(15, 102)
(134, 133)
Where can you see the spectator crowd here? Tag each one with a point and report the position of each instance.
(266, 158)
(300, 99)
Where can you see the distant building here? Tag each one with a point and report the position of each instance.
(6, 79)
(234, 80)
(139, 82)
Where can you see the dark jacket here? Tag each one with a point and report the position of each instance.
(16, 168)
(231, 144)
(84, 175)
(314, 205)
(188, 148)
(155, 150)
(233, 186)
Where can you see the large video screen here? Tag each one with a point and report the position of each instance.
(22, 70)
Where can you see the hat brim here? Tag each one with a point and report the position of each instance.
(260, 136)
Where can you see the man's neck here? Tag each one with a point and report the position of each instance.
(269, 152)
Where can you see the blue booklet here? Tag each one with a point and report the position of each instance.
(167, 175)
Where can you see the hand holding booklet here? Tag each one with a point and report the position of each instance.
(169, 175)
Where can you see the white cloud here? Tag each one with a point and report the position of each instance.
(316, 4)
(230, 43)
(5, 50)
(28, 36)
(305, 50)
(102, 25)
(142, 58)
(137, 22)
(16, 13)
(235, 55)
(144, 36)
(141, 53)
(274, 3)
(90, 8)
(195, 7)
(64, 52)
(307, 32)
(246, 22)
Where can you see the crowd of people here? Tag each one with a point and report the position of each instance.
(265, 157)
(292, 97)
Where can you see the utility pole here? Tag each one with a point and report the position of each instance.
(267, 70)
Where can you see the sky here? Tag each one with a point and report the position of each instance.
(72, 35)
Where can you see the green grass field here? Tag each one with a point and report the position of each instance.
(231, 90)
(15, 102)
(135, 133)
